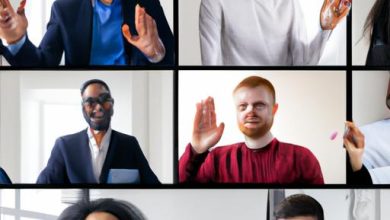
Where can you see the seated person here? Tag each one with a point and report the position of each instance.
(98, 152)
(90, 32)
(260, 159)
(102, 209)
(368, 151)
(257, 33)
(299, 207)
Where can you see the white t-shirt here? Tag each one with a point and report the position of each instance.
(257, 32)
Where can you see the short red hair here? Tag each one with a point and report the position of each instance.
(255, 81)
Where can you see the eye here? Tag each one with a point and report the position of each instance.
(89, 101)
(260, 106)
(242, 107)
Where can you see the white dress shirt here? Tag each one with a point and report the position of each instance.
(98, 153)
(257, 32)
(376, 155)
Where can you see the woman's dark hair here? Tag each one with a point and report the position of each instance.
(379, 15)
(299, 205)
(121, 209)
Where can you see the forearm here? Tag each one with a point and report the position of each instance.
(190, 164)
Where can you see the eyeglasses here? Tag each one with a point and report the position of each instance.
(102, 99)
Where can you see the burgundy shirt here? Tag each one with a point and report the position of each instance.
(276, 163)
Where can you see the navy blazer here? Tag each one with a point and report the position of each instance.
(70, 30)
(70, 160)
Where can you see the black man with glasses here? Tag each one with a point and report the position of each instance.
(97, 154)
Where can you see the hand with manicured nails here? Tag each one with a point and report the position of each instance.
(147, 40)
(206, 134)
(332, 12)
(13, 25)
(354, 144)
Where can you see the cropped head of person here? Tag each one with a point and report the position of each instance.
(299, 207)
(102, 209)
(97, 104)
(256, 106)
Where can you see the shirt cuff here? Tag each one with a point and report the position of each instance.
(158, 56)
(14, 48)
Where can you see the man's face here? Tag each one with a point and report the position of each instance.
(299, 218)
(255, 110)
(97, 107)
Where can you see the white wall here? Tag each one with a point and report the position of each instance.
(369, 96)
(146, 114)
(312, 105)
(189, 45)
(360, 45)
(193, 204)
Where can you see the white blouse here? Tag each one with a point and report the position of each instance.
(257, 32)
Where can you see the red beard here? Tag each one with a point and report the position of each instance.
(258, 131)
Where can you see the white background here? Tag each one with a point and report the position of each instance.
(312, 105)
(189, 45)
(369, 96)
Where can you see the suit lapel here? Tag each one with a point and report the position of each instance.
(85, 153)
(109, 158)
(85, 33)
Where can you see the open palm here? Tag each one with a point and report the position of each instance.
(332, 12)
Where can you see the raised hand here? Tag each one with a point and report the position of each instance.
(332, 12)
(354, 144)
(205, 134)
(13, 25)
(147, 39)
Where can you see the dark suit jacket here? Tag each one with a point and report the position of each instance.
(70, 160)
(70, 30)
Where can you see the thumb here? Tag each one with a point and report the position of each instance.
(20, 9)
(126, 33)
(220, 129)
(348, 145)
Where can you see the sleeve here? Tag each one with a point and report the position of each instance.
(196, 168)
(48, 53)
(154, 8)
(55, 171)
(310, 169)
(146, 173)
(303, 51)
(210, 22)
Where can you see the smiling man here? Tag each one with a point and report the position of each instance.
(261, 158)
(97, 154)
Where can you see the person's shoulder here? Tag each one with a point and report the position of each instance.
(73, 136)
(121, 135)
(376, 124)
(295, 148)
(65, 4)
(227, 148)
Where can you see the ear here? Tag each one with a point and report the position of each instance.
(275, 108)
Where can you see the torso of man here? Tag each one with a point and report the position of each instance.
(256, 32)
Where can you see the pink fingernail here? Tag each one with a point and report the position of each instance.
(333, 135)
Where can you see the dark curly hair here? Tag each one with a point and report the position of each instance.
(121, 209)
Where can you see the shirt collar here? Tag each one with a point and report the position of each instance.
(105, 141)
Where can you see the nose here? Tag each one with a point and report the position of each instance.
(250, 109)
(98, 106)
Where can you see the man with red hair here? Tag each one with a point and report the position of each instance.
(260, 159)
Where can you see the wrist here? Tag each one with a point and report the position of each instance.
(356, 164)
(158, 52)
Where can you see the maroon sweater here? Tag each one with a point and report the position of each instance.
(276, 163)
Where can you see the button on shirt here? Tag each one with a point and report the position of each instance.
(98, 154)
